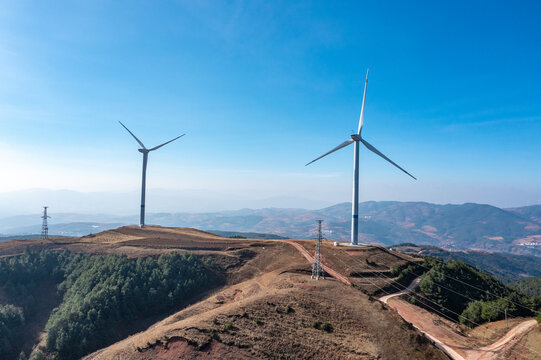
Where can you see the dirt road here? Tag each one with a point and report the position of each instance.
(310, 258)
(449, 341)
(512, 337)
(409, 289)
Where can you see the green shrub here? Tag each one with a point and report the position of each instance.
(326, 327)
(472, 314)
(228, 326)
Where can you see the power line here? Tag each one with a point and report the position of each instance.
(439, 284)
(472, 286)
(394, 284)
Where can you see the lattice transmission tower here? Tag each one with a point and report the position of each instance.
(44, 226)
(317, 269)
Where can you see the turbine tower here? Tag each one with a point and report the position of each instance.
(44, 226)
(356, 138)
(145, 152)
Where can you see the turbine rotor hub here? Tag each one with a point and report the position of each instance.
(356, 137)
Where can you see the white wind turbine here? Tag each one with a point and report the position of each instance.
(357, 138)
(145, 152)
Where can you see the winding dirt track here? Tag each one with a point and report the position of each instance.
(409, 289)
(489, 352)
(512, 337)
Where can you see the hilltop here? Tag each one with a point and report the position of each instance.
(181, 292)
(260, 304)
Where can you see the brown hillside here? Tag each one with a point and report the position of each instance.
(268, 310)
(269, 306)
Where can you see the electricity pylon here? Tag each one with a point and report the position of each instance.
(317, 268)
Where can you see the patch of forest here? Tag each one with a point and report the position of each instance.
(464, 293)
(529, 287)
(100, 297)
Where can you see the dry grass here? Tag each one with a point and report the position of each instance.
(252, 322)
(264, 278)
(490, 332)
(529, 348)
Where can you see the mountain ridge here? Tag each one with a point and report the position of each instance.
(467, 226)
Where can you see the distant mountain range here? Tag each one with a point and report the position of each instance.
(505, 267)
(466, 226)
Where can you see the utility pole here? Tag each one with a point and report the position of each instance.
(44, 226)
(317, 269)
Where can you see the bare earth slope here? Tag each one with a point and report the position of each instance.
(269, 307)
(272, 315)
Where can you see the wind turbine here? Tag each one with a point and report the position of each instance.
(356, 139)
(145, 152)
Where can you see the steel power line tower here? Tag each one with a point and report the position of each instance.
(317, 269)
(44, 226)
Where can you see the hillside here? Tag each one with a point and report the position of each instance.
(503, 266)
(264, 304)
(530, 286)
(457, 227)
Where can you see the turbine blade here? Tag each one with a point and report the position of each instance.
(135, 137)
(361, 119)
(377, 152)
(344, 144)
(165, 143)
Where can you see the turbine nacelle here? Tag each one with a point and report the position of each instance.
(356, 137)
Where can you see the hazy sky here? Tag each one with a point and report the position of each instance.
(261, 88)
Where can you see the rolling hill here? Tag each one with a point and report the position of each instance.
(158, 292)
(458, 227)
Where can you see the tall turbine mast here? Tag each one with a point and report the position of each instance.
(145, 152)
(44, 226)
(357, 139)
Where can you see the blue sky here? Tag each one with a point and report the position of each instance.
(261, 88)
